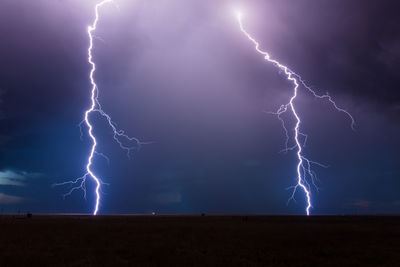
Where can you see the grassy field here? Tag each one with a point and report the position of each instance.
(73, 240)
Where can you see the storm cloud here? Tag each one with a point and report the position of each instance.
(181, 74)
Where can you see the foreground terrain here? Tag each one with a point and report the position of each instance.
(74, 240)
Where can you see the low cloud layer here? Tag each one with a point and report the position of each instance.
(7, 199)
(16, 178)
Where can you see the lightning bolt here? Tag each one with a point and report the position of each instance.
(305, 174)
(126, 142)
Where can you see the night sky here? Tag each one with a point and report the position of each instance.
(181, 74)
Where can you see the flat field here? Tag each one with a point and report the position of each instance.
(210, 240)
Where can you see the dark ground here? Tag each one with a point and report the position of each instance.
(75, 240)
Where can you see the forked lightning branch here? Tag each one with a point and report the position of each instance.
(305, 175)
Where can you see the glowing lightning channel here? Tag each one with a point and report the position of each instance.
(124, 141)
(303, 165)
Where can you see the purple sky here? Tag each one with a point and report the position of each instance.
(181, 74)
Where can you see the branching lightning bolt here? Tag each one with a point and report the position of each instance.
(126, 142)
(303, 168)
